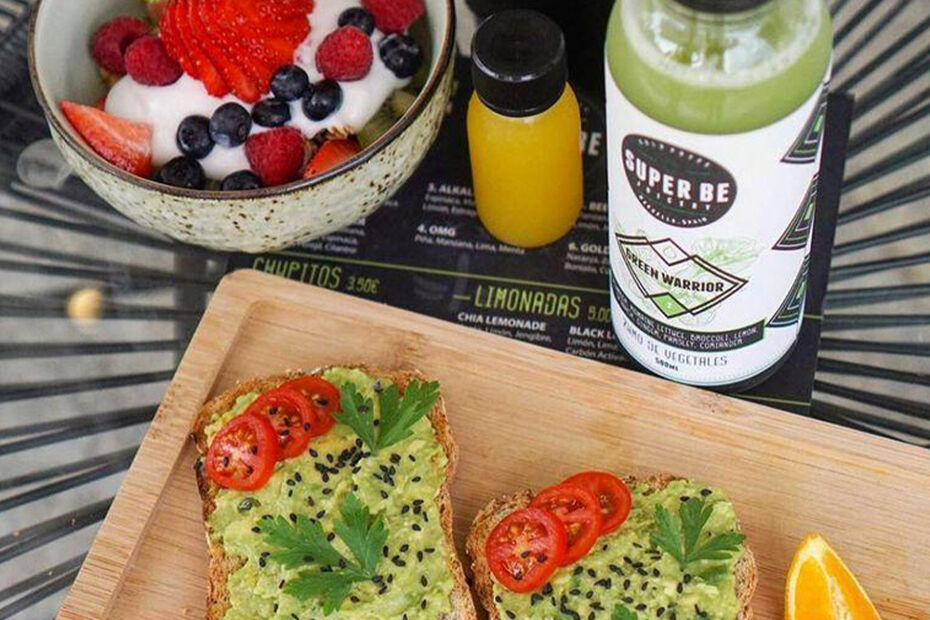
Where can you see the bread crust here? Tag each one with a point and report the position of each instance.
(222, 565)
(746, 572)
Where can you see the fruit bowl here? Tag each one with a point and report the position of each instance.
(254, 220)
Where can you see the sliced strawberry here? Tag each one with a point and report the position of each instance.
(330, 155)
(254, 57)
(243, 85)
(283, 9)
(125, 144)
(207, 71)
(171, 37)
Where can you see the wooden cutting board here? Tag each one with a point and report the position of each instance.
(522, 416)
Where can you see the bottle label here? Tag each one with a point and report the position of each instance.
(709, 240)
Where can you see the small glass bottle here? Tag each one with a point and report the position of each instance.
(524, 130)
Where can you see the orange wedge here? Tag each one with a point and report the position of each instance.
(821, 587)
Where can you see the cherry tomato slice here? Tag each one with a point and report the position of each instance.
(243, 453)
(525, 548)
(323, 397)
(580, 512)
(292, 417)
(612, 493)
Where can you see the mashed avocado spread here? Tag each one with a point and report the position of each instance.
(401, 483)
(625, 569)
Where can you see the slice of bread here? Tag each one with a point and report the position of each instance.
(489, 516)
(223, 565)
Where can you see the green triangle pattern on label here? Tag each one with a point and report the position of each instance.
(805, 147)
(798, 232)
(789, 312)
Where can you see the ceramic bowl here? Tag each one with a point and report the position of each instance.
(251, 221)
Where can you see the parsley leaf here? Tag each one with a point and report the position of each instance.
(621, 612)
(668, 536)
(302, 541)
(680, 535)
(333, 587)
(357, 413)
(398, 413)
(362, 533)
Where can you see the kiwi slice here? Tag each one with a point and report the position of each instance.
(400, 102)
(420, 32)
(378, 125)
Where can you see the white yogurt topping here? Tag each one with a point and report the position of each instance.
(164, 107)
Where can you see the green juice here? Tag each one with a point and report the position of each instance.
(715, 114)
(718, 73)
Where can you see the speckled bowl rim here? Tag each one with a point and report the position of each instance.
(433, 83)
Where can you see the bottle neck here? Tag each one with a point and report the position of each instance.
(681, 10)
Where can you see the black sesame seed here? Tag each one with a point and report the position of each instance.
(416, 527)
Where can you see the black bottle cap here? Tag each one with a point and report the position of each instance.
(722, 6)
(518, 62)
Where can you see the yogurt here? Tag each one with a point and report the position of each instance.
(164, 107)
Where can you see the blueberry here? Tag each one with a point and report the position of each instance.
(401, 54)
(324, 98)
(230, 125)
(358, 17)
(193, 137)
(183, 172)
(271, 113)
(242, 180)
(290, 83)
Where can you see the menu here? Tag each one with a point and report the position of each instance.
(425, 250)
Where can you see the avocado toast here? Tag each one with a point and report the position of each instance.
(402, 489)
(625, 576)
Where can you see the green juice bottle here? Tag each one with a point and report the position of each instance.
(715, 113)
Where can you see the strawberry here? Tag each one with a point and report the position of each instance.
(235, 45)
(171, 37)
(243, 85)
(284, 9)
(394, 15)
(276, 156)
(148, 62)
(125, 144)
(206, 71)
(109, 43)
(330, 155)
(345, 54)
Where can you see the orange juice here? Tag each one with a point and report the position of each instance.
(527, 171)
(524, 131)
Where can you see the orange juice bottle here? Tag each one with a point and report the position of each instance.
(524, 130)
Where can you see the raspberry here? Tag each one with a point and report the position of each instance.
(148, 62)
(276, 156)
(394, 15)
(345, 54)
(111, 40)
